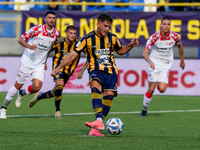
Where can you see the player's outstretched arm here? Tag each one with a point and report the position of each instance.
(22, 42)
(65, 62)
(79, 75)
(181, 53)
(125, 49)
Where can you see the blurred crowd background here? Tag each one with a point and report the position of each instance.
(103, 8)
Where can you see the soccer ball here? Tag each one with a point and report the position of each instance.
(114, 126)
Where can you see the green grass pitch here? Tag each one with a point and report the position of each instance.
(172, 123)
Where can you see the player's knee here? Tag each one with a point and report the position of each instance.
(162, 90)
(95, 90)
(36, 88)
(59, 87)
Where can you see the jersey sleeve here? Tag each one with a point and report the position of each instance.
(29, 33)
(117, 44)
(177, 40)
(80, 46)
(149, 43)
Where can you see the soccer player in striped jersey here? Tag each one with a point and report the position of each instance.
(37, 42)
(62, 48)
(160, 60)
(99, 46)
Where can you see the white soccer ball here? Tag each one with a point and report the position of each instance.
(114, 126)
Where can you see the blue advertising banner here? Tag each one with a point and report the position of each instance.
(126, 25)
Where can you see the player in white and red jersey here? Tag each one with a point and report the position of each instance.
(37, 42)
(160, 59)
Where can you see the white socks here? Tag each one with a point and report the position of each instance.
(11, 93)
(146, 101)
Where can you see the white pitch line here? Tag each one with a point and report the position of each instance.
(91, 113)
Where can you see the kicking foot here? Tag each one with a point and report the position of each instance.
(58, 115)
(143, 113)
(2, 113)
(34, 100)
(95, 124)
(95, 132)
(18, 101)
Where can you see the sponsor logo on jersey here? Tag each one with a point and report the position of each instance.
(102, 52)
(43, 46)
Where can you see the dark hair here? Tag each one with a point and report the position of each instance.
(50, 12)
(70, 27)
(164, 18)
(105, 17)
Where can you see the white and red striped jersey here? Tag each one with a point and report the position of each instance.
(44, 39)
(162, 48)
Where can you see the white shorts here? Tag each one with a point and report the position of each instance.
(24, 72)
(158, 75)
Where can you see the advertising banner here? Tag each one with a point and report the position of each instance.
(132, 77)
(126, 25)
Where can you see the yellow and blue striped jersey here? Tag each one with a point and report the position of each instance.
(99, 51)
(62, 49)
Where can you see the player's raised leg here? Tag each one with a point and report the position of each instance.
(34, 100)
(37, 84)
(21, 93)
(38, 97)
